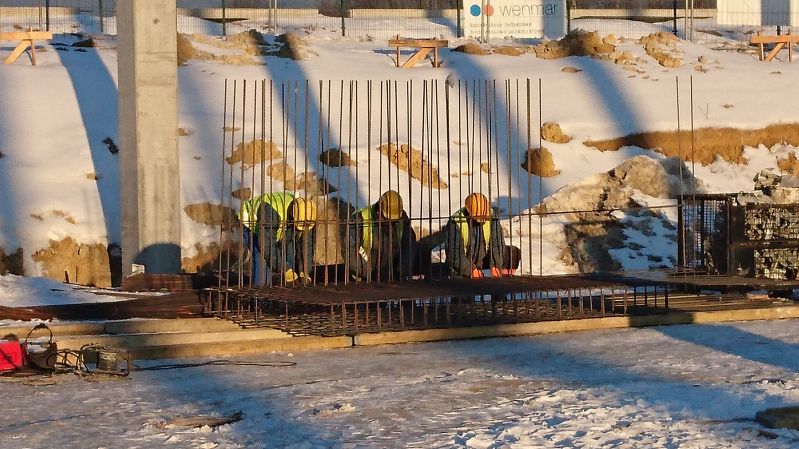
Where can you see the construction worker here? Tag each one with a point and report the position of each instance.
(382, 244)
(279, 232)
(474, 237)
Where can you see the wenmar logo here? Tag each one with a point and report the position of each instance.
(516, 10)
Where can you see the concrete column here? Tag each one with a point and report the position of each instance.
(148, 153)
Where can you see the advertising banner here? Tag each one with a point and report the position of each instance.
(514, 18)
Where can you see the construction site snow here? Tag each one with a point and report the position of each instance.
(19, 291)
(59, 173)
(696, 386)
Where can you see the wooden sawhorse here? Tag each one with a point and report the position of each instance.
(424, 46)
(780, 41)
(27, 39)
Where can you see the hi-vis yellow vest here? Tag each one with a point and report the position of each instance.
(463, 226)
(369, 223)
(279, 201)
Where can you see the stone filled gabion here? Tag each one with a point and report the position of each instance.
(777, 263)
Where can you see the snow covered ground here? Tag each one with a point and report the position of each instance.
(19, 291)
(59, 178)
(696, 386)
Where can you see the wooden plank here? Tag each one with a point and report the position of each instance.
(17, 52)
(418, 43)
(774, 39)
(418, 56)
(25, 35)
(773, 53)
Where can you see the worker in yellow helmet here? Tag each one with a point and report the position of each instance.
(382, 243)
(278, 231)
(474, 239)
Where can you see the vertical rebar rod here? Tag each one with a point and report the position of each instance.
(243, 148)
(680, 210)
(540, 181)
(399, 223)
(527, 161)
(341, 167)
(448, 177)
(409, 130)
(338, 178)
(222, 196)
(262, 268)
(241, 183)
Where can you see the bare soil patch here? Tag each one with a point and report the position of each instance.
(243, 193)
(210, 214)
(293, 46)
(253, 152)
(281, 171)
(334, 157)
(539, 162)
(551, 132)
(65, 215)
(709, 143)
(660, 46)
(410, 160)
(789, 165)
(472, 49)
(80, 263)
(508, 51)
(576, 43)
(186, 50)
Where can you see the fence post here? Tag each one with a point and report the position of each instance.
(100, 16)
(674, 12)
(343, 25)
(459, 18)
(569, 6)
(224, 19)
(47, 15)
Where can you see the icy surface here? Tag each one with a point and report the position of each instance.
(676, 387)
(18, 291)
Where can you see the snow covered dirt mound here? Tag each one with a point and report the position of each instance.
(606, 220)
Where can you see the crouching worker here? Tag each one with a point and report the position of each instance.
(279, 232)
(382, 244)
(474, 239)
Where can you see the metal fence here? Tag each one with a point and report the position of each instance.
(700, 21)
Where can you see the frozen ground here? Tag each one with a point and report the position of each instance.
(18, 291)
(695, 386)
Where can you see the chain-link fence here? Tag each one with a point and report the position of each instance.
(698, 20)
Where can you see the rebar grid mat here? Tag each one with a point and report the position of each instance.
(364, 308)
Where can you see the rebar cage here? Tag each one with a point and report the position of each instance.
(355, 309)
(341, 145)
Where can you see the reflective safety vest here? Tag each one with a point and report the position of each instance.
(278, 201)
(461, 220)
(368, 228)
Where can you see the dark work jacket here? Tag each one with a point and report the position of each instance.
(393, 247)
(295, 248)
(463, 259)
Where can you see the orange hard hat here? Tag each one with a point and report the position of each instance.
(478, 207)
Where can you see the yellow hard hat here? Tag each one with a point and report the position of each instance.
(478, 207)
(303, 210)
(390, 204)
